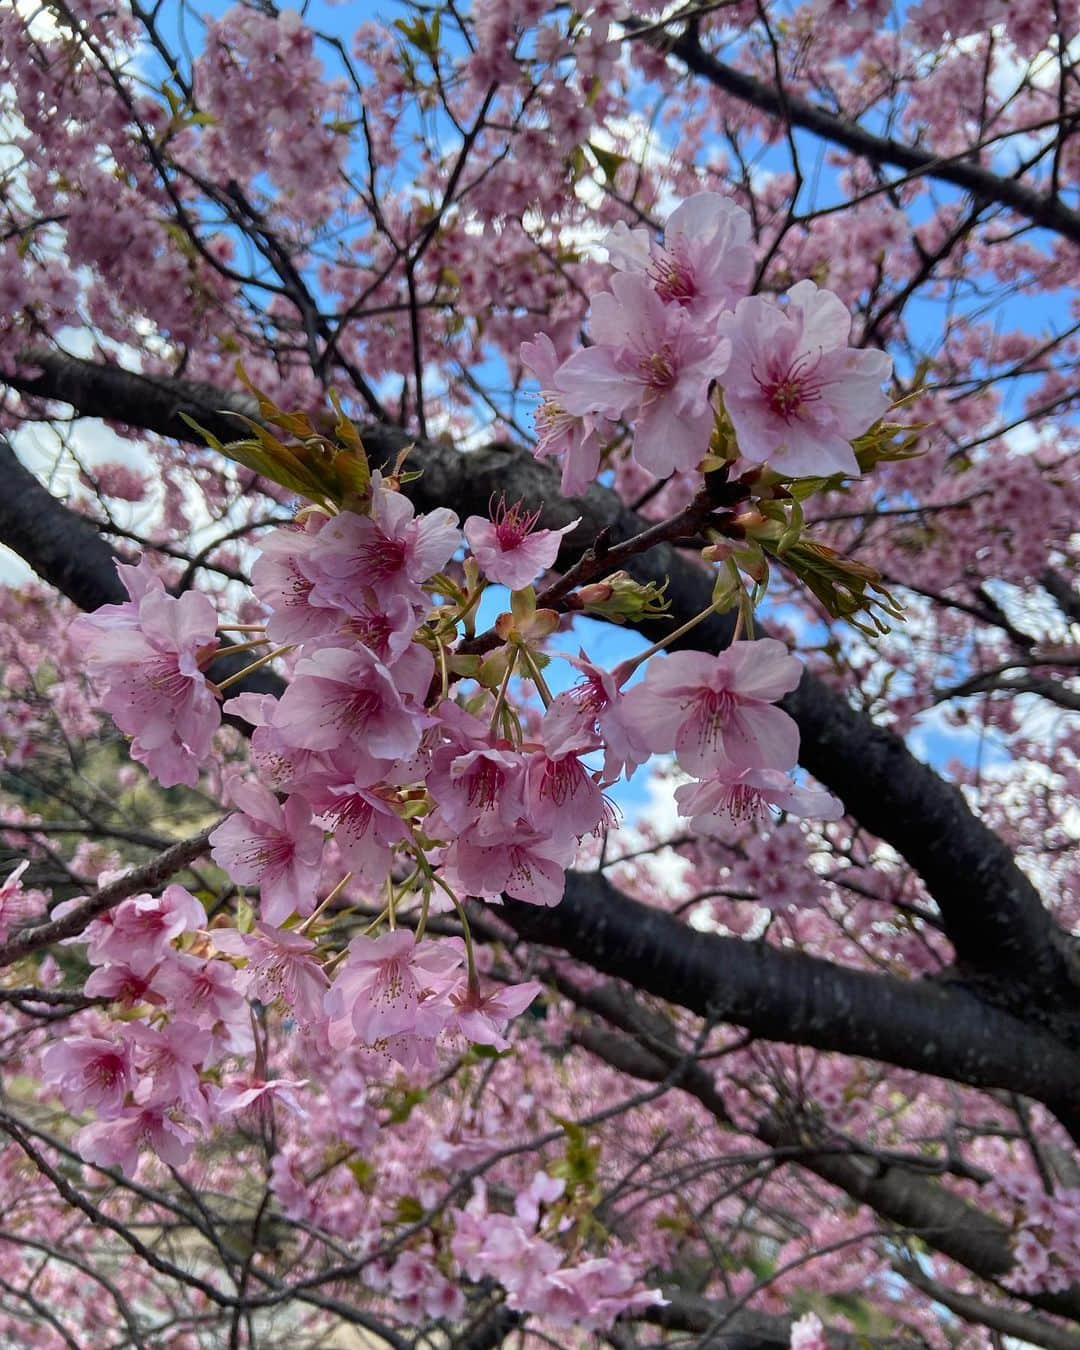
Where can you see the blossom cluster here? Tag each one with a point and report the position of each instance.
(409, 766)
(679, 324)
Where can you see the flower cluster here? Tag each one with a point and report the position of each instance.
(677, 324)
(402, 771)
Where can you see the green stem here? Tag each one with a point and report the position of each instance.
(262, 661)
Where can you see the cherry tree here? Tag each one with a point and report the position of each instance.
(539, 721)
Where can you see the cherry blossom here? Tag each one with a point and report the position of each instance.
(717, 711)
(796, 393)
(652, 364)
(508, 548)
(272, 846)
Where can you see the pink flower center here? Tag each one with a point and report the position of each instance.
(273, 852)
(373, 630)
(787, 390)
(512, 524)
(658, 369)
(390, 982)
(384, 557)
(715, 712)
(360, 707)
(553, 422)
(561, 779)
(164, 677)
(672, 279)
(354, 816)
(744, 802)
(485, 783)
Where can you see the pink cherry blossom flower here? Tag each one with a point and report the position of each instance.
(155, 689)
(284, 577)
(385, 626)
(575, 438)
(90, 1071)
(796, 393)
(123, 985)
(279, 965)
(279, 764)
(366, 826)
(15, 905)
(341, 695)
(390, 552)
(206, 992)
(117, 1143)
(169, 1061)
(705, 262)
(594, 709)
(525, 865)
(507, 548)
(542, 1190)
(749, 793)
(482, 1018)
(443, 1299)
(274, 847)
(476, 786)
(385, 981)
(717, 711)
(244, 1093)
(562, 799)
(652, 364)
(808, 1333)
(144, 926)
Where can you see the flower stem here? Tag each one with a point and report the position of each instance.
(537, 677)
(262, 661)
(636, 661)
(319, 909)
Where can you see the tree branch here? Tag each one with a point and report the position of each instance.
(1045, 210)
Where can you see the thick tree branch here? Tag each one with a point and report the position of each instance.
(787, 996)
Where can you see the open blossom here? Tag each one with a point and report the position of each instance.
(593, 712)
(796, 393)
(15, 906)
(280, 964)
(118, 1142)
(727, 797)
(390, 552)
(508, 549)
(562, 798)
(521, 863)
(365, 823)
(283, 577)
(809, 1334)
(576, 438)
(391, 985)
(705, 262)
(169, 1061)
(652, 364)
(90, 1072)
(274, 847)
(151, 667)
(717, 711)
(143, 926)
(340, 695)
(482, 1018)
